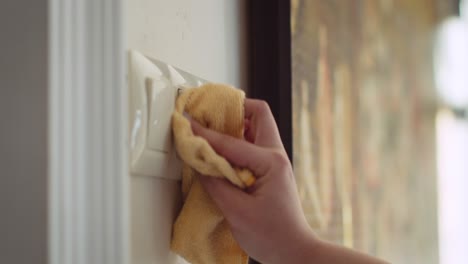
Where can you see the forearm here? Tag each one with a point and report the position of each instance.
(313, 250)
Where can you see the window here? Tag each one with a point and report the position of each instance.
(362, 103)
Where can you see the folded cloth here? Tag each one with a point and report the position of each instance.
(201, 234)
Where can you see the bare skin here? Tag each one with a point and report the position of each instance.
(267, 219)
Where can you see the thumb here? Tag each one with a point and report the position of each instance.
(229, 199)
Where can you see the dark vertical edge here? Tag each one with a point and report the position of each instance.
(270, 61)
(24, 71)
(285, 76)
(269, 33)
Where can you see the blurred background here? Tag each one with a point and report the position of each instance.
(380, 128)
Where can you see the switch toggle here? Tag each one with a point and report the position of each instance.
(152, 99)
(153, 88)
(161, 100)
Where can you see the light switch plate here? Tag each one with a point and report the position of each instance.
(152, 93)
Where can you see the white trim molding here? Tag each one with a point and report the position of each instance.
(88, 164)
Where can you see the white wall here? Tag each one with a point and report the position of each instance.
(205, 38)
(452, 150)
(23, 131)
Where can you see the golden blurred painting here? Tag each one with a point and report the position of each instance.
(364, 123)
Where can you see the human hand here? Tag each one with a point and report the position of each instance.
(266, 219)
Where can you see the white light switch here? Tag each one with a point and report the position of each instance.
(152, 92)
(175, 76)
(161, 99)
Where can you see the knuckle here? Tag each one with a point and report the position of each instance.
(280, 161)
(263, 107)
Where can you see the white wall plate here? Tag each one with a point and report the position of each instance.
(152, 93)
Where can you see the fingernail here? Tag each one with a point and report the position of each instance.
(186, 115)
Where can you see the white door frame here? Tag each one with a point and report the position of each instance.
(88, 165)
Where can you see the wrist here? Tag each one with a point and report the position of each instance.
(308, 248)
(300, 248)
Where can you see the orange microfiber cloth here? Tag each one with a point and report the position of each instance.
(201, 234)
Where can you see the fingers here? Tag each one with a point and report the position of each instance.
(227, 197)
(238, 152)
(262, 126)
(247, 129)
